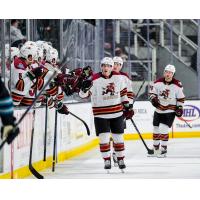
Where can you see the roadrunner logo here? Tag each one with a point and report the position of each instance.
(110, 88)
(165, 94)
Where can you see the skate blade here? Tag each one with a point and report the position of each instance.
(162, 156)
(122, 170)
(108, 171)
(152, 155)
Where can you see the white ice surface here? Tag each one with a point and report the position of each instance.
(183, 161)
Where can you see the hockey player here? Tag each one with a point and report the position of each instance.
(118, 64)
(109, 102)
(8, 131)
(166, 95)
(24, 76)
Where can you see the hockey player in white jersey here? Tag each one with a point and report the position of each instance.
(109, 102)
(166, 95)
(23, 75)
(118, 64)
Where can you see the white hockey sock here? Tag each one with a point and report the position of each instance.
(118, 143)
(104, 143)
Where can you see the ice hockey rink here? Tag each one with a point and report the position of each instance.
(182, 162)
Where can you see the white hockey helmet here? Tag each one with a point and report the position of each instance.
(14, 51)
(39, 43)
(107, 61)
(170, 68)
(30, 43)
(118, 59)
(28, 50)
(39, 53)
(46, 47)
(52, 56)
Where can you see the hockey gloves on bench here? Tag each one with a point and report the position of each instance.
(62, 108)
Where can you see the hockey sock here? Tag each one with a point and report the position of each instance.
(104, 139)
(118, 144)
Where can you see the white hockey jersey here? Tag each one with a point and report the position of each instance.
(170, 94)
(107, 95)
(20, 82)
(129, 85)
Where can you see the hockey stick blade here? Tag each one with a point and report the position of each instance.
(86, 126)
(35, 173)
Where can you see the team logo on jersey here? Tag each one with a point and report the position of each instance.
(165, 93)
(110, 88)
(31, 92)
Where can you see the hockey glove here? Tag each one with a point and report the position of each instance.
(87, 72)
(155, 102)
(9, 132)
(61, 79)
(86, 85)
(62, 108)
(35, 73)
(179, 111)
(128, 111)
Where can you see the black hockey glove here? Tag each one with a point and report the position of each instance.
(128, 111)
(155, 102)
(62, 108)
(179, 111)
(87, 72)
(86, 85)
(9, 131)
(35, 73)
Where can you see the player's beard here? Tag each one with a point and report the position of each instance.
(168, 79)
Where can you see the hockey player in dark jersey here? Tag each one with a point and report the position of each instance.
(109, 102)
(166, 95)
(8, 131)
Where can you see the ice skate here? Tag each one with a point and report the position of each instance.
(121, 165)
(115, 159)
(107, 165)
(156, 152)
(163, 154)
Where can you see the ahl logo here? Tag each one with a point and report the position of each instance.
(190, 113)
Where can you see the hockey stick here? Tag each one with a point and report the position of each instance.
(150, 151)
(55, 141)
(86, 126)
(30, 166)
(136, 96)
(55, 72)
(29, 108)
(185, 121)
(45, 133)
